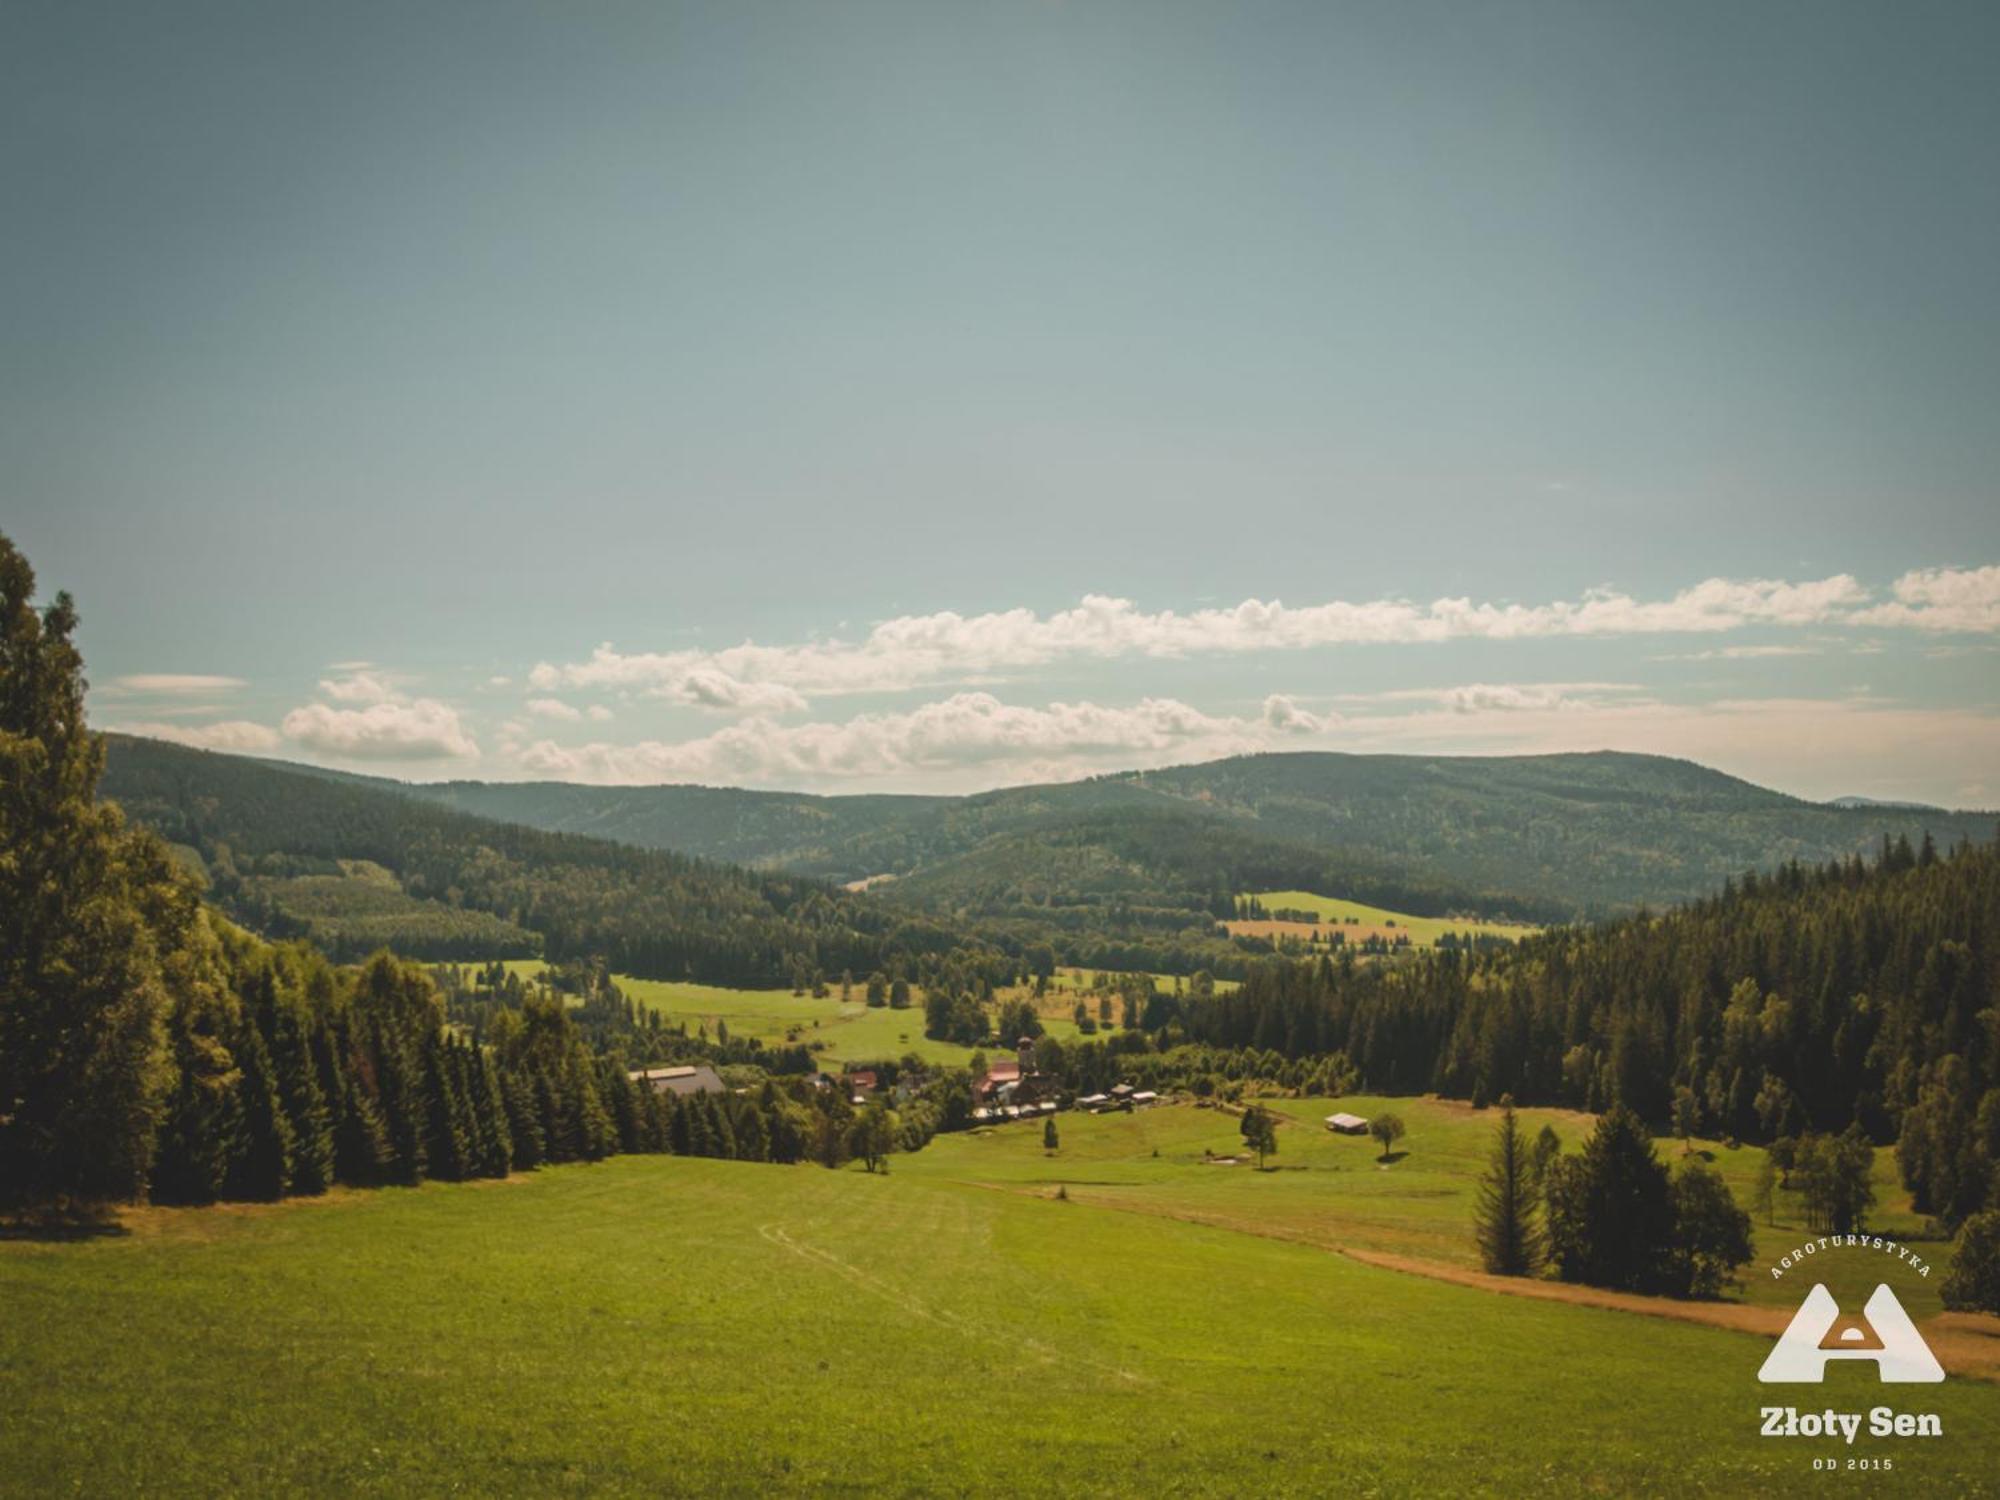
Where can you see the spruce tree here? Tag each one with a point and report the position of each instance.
(524, 1124)
(88, 908)
(447, 1147)
(1510, 1241)
(262, 1165)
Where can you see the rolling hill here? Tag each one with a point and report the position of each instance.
(356, 863)
(1547, 836)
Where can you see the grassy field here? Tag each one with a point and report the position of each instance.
(850, 1032)
(1357, 920)
(659, 1325)
(1334, 1191)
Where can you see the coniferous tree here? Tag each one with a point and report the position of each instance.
(88, 911)
(202, 1121)
(524, 1122)
(286, 1028)
(495, 1133)
(447, 1145)
(1510, 1238)
(262, 1164)
(1610, 1209)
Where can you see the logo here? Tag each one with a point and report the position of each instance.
(1819, 1331)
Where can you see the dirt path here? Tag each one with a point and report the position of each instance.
(1965, 1343)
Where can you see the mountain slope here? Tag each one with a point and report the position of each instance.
(1546, 836)
(355, 863)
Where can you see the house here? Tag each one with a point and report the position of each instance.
(1346, 1124)
(1121, 1092)
(1143, 1098)
(696, 1079)
(861, 1085)
(1001, 1075)
(1093, 1101)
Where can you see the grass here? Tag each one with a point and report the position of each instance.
(850, 1032)
(658, 1325)
(1359, 920)
(1334, 1191)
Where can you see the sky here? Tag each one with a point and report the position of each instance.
(849, 397)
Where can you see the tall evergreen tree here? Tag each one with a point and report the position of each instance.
(87, 910)
(1611, 1212)
(262, 1165)
(1510, 1237)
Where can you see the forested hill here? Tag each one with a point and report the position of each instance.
(1548, 836)
(355, 866)
(1814, 1000)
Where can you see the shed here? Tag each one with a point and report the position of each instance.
(1346, 1124)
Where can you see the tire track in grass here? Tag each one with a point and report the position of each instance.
(775, 1234)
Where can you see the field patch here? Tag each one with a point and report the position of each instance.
(1356, 921)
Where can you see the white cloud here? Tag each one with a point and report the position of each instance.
(705, 687)
(924, 650)
(1284, 715)
(1742, 653)
(499, 680)
(1942, 599)
(598, 713)
(1502, 697)
(958, 734)
(361, 687)
(239, 736)
(177, 682)
(553, 708)
(421, 730)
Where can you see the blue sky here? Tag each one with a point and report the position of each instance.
(364, 370)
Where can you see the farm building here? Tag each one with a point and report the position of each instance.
(699, 1079)
(1346, 1124)
(862, 1085)
(1000, 1075)
(1144, 1098)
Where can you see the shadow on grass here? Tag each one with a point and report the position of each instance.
(56, 1225)
(1390, 1158)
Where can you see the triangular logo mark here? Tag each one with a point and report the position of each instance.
(1884, 1333)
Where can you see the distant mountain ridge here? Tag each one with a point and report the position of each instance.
(1547, 836)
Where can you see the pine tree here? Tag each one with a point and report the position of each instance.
(495, 1152)
(524, 1124)
(262, 1165)
(202, 1121)
(447, 1147)
(88, 909)
(286, 1028)
(1510, 1240)
(1610, 1210)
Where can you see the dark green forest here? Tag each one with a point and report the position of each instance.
(1858, 994)
(1544, 837)
(276, 846)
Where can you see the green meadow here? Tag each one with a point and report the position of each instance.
(661, 1325)
(1423, 931)
(850, 1031)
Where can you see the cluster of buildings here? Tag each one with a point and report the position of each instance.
(1013, 1089)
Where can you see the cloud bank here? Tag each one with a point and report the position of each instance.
(916, 651)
